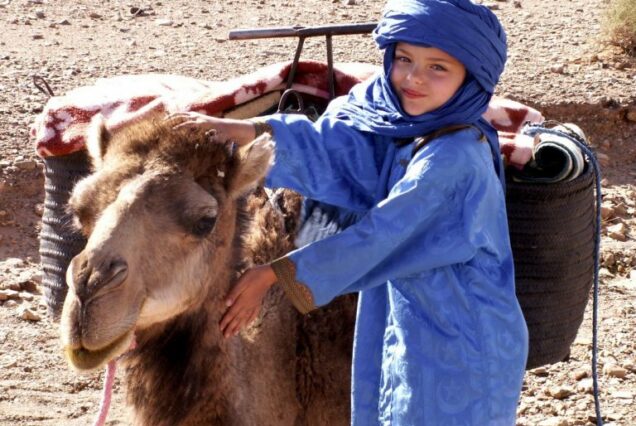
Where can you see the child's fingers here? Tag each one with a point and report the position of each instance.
(236, 319)
(176, 115)
(234, 311)
(175, 120)
(184, 120)
(186, 124)
(246, 321)
(236, 291)
(253, 316)
(228, 317)
(237, 323)
(179, 118)
(182, 114)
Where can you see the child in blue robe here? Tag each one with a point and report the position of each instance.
(440, 338)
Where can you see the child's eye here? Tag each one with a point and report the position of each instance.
(402, 59)
(437, 67)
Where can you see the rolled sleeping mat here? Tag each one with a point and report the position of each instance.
(555, 158)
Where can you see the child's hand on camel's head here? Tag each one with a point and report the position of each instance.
(193, 120)
(245, 299)
(222, 129)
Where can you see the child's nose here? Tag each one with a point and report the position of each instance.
(416, 75)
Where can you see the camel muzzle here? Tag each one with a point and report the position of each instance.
(90, 339)
(90, 275)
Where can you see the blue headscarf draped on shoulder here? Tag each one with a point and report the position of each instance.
(469, 32)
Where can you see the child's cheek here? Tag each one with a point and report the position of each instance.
(394, 77)
(399, 72)
(437, 77)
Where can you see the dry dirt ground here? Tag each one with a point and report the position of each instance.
(557, 64)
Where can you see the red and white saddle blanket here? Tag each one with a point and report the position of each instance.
(62, 126)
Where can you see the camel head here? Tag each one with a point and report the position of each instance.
(160, 212)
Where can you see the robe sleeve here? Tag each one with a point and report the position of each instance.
(420, 226)
(326, 161)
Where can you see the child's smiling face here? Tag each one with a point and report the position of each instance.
(424, 78)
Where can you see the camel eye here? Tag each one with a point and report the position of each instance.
(204, 226)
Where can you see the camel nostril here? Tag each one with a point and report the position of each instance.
(86, 276)
(116, 273)
(116, 266)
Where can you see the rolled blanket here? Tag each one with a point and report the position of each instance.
(61, 127)
(555, 157)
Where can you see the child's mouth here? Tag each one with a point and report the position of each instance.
(412, 94)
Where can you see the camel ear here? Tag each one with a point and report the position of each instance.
(97, 140)
(254, 160)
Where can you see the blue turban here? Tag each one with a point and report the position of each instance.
(467, 31)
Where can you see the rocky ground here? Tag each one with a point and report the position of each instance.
(558, 63)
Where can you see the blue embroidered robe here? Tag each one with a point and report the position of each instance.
(440, 338)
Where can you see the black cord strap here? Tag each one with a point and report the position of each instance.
(533, 129)
(43, 86)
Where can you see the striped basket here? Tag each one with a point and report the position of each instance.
(59, 242)
(552, 236)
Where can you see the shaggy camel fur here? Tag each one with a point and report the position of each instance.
(172, 218)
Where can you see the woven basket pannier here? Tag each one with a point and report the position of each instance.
(552, 237)
(59, 241)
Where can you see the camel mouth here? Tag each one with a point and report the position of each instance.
(85, 360)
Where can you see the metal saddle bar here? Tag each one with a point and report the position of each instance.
(328, 31)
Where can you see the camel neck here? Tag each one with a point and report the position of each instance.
(168, 373)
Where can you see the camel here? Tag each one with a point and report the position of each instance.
(172, 217)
